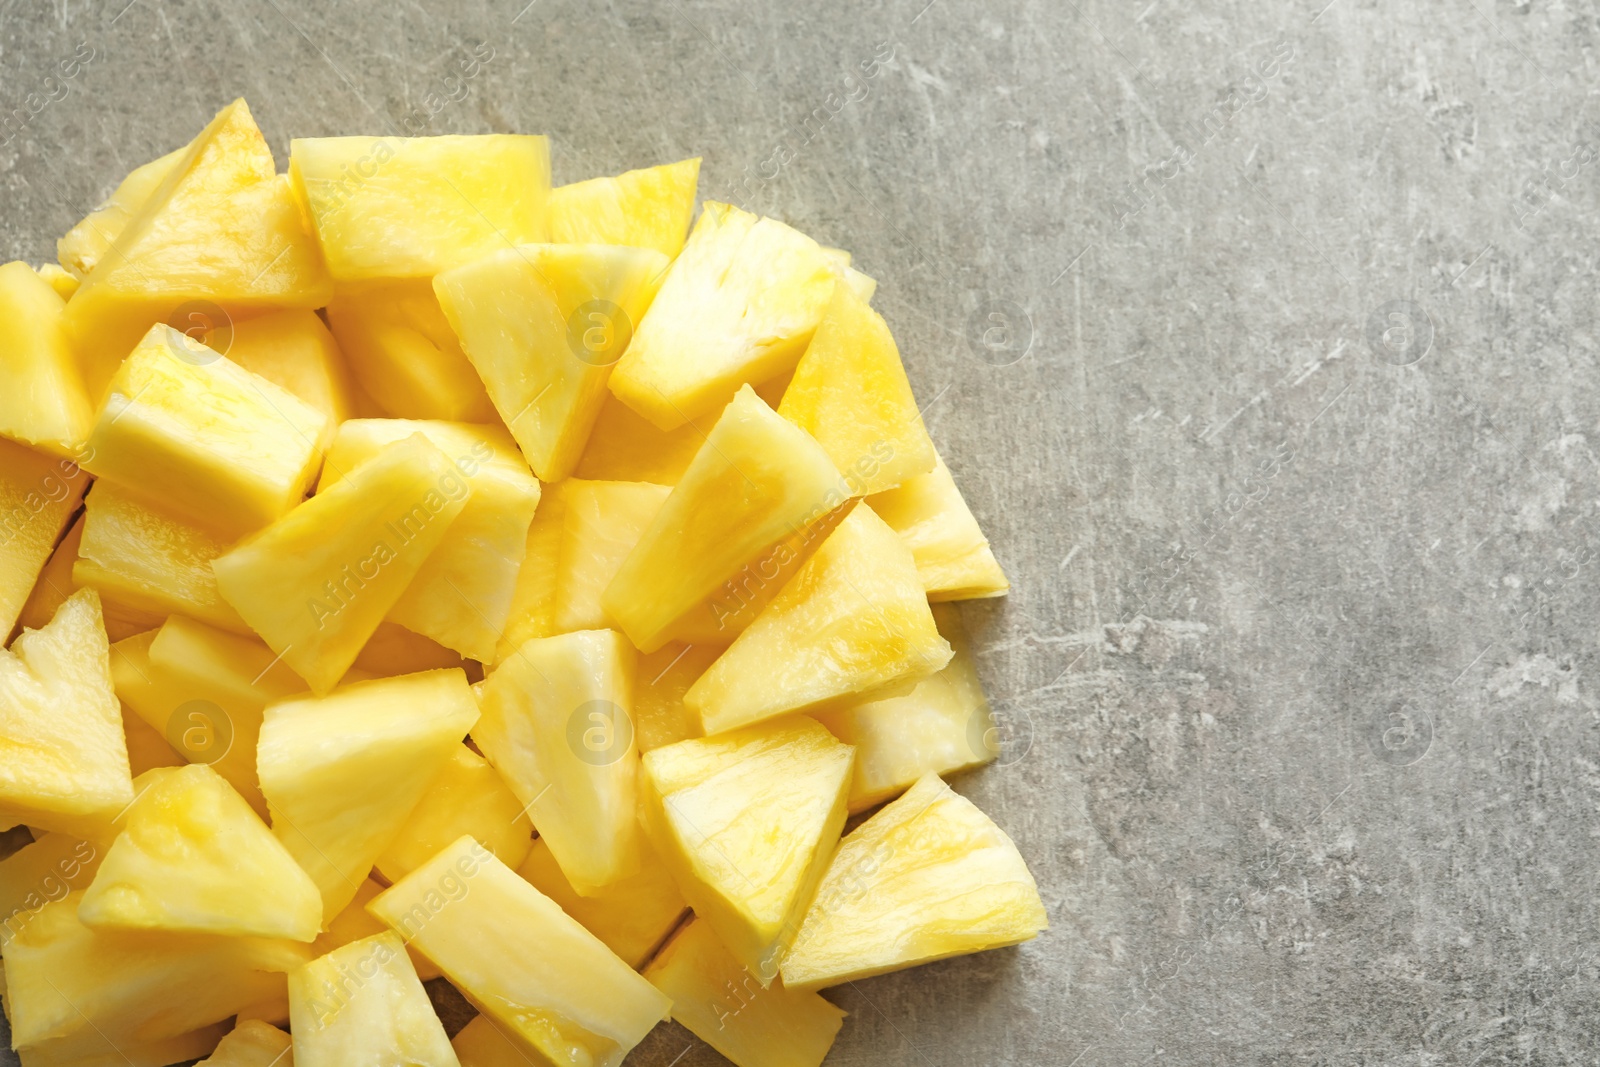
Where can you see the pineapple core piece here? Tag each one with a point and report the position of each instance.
(86, 243)
(38, 494)
(193, 858)
(724, 1006)
(852, 625)
(952, 555)
(632, 916)
(342, 773)
(468, 797)
(252, 1043)
(410, 207)
(647, 208)
(929, 876)
(602, 521)
(44, 402)
(294, 350)
(364, 1005)
(739, 305)
(544, 325)
(548, 984)
(746, 822)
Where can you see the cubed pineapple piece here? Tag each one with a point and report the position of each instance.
(44, 403)
(192, 857)
(38, 494)
(85, 244)
(852, 625)
(461, 596)
(316, 583)
(204, 439)
(410, 207)
(402, 351)
(544, 325)
(291, 349)
(722, 1004)
(63, 759)
(393, 650)
(55, 584)
(738, 306)
(756, 481)
(90, 1048)
(558, 725)
(952, 555)
(662, 678)
(646, 208)
(942, 726)
(467, 797)
(546, 981)
(746, 822)
(927, 877)
(356, 922)
(603, 521)
(36, 874)
(342, 773)
(363, 1006)
(850, 392)
(61, 281)
(632, 916)
(252, 1043)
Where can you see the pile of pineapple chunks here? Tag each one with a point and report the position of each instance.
(423, 572)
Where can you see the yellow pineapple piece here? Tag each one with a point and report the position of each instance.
(557, 724)
(547, 982)
(356, 922)
(55, 584)
(663, 677)
(90, 1048)
(533, 598)
(953, 556)
(602, 523)
(85, 244)
(632, 916)
(38, 495)
(342, 773)
(61, 281)
(316, 583)
(859, 284)
(461, 596)
(646, 208)
(393, 650)
(850, 392)
(486, 1043)
(252, 1043)
(63, 759)
(928, 877)
(757, 480)
(44, 403)
(45, 871)
(544, 325)
(739, 305)
(363, 1004)
(746, 822)
(293, 350)
(147, 749)
(467, 797)
(722, 1004)
(852, 625)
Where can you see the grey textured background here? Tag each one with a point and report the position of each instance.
(1298, 671)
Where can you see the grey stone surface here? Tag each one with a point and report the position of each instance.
(1283, 435)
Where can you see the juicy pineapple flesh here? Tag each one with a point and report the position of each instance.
(363, 1004)
(647, 208)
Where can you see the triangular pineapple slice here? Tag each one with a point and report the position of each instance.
(356, 922)
(467, 797)
(757, 480)
(646, 208)
(252, 1043)
(952, 555)
(316, 583)
(603, 521)
(543, 325)
(746, 822)
(664, 676)
(86, 243)
(547, 982)
(850, 392)
(632, 916)
(363, 1004)
(44, 402)
(38, 494)
(35, 874)
(294, 350)
(929, 876)
(558, 725)
(739, 305)
(722, 1004)
(853, 624)
(342, 773)
(63, 759)
(193, 858)
(533, 599)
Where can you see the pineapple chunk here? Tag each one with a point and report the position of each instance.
(545, 980)
(394, 650)
(850, 392)
(663, 677)
(757, 480)
(61, 282)
(646, 208)
(86, 244)
(63, 759)
(316, 584)
(193, 858)
(147, 749)
(252, 1043)
(543, 325)
(404, 353)
(739, 305)
(44, 403)
(723, 1005)
(928, 877)
(356, 922)
(952, 555)
(343, 772)
(38, 495)
(485, 1043)
(204, 439)
(468, 797)
(746, 822)
(942, 726)
(461, 596)
(89, 1048)
(396, 207)
(632, 916)
(603, 521)
(45, 871)
(363, 1005)
(55, 584)
(558, 724)
(851, 626)
(624, 446)
(533, 600)
(293, 350)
